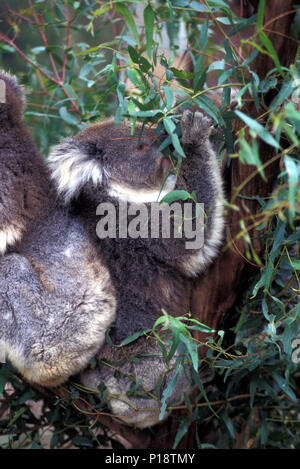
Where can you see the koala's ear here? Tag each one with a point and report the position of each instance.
(12, 101)
(73, 164)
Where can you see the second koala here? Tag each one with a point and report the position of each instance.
(56, 297)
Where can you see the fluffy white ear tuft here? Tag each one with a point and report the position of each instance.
(72, 167)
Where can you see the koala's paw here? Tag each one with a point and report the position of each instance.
(196, 127)
(140, 405)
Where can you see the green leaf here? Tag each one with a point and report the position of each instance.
(270, 48)
(224, 20)
(267, 84)
(187, 402)
(284, 387)
(85, 70)
(16, 416)
(168, 391)
(198, 382)
(67, 117)
(192, 349)
(182, 73)
(142, 62)
(177, 145)
(182, 430)
(133, 54)
(133, 76)
(228, 423)
(54, 440)
(217, 65)
(125, 12)
(175, 195)
(201, 327)
(293, 173)
(264, 432)
(295, 28)
(250, 154)
(149, 16)
(169, 125)
(38, 50)
(198, 7)
(150, 113)
(3, 381)
(169, 95)
(258, 129)
(261, 14)
(102, 10)
(135, 336)
(284, 93)
(207, 105)
(294, 117)
(295, 264)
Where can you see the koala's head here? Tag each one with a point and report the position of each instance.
(105, 157)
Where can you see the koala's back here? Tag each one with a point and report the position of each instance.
(25, 183)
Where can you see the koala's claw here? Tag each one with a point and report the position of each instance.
(196, 127)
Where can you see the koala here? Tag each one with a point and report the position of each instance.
(24, 175)
(105, 164)
(63, 287)
(56, 296)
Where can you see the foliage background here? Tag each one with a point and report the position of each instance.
(81, 61)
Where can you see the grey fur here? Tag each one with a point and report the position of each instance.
(141, 410)
(24, 189)
(56, 302)
(56, 296)
(61, 287)
(148, 274)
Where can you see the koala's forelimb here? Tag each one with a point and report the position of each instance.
(201, 173)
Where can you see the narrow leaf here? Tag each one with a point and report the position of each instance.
(149, 24)
(124, 11)
(258, 129)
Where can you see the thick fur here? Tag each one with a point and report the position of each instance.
(24, 188)
(56, 302)
(141, 408)
(56, 296)
(149, 275)
(61, 287)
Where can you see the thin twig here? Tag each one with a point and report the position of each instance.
(45, 40)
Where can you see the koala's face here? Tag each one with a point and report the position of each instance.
(105, 156)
